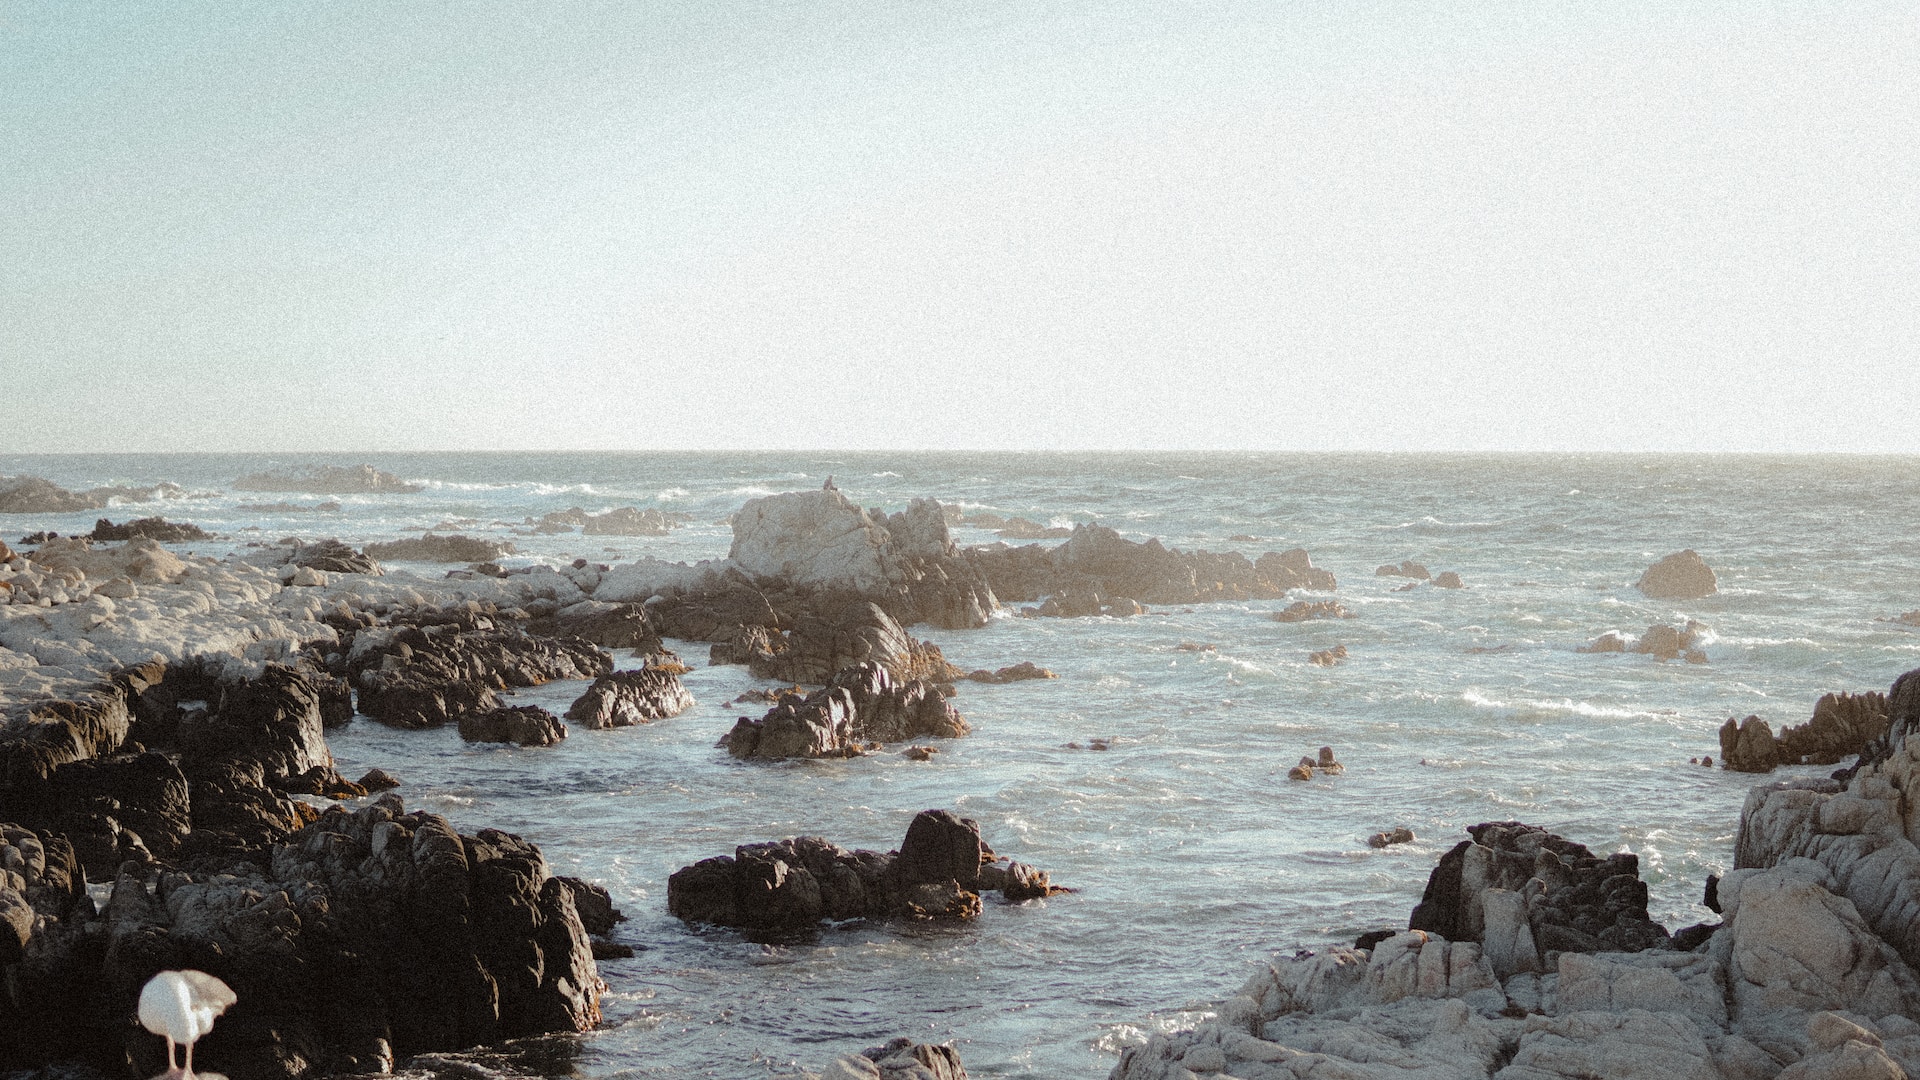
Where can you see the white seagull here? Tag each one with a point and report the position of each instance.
(181, 1005)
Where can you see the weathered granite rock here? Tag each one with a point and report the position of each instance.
(861, 705)
(899, 1059)
(329, 480)
(1098, 560)
(818, 645)
(523, 725)
(1025, 669)
(433, 547)
(153, 528)
(424, 676)
(625, 698)
(796, 883)
(1842, 725)
(1670, 642)
(1684, 575)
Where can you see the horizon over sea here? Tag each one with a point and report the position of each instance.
(1190, 853)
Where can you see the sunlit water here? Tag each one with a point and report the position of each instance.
(1190, 852)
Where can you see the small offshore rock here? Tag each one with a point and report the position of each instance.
(1401, 835)
(1684, 575)
(1407, 568)
(1328, 657)
(1025, 669)
(524, 725)
(1303, 610)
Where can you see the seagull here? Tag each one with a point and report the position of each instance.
(181, 1005)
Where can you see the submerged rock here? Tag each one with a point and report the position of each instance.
(939, 872)
(1684, 575)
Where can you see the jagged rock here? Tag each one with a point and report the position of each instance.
(900, 1059)
(153, 528)
(1665, 642)
(433, 547)
(1680, 576)
(1407, 568)
(1573, 901)
(329, 480)
(378, 780)
(860, 705)
(1025, 669)
(1842, 725)
(425, 676)
(333, 557)
(625, 698)
(1097, 561)
(819, 645)
(796, 883)
(615, 626)
(1303, 610)
(524, 725)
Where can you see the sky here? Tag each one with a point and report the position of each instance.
(1596, 226)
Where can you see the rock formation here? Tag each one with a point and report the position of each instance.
(37, 495)
(332, 557)
(1025, 669)
(899, 1059)
(939, 872)
(1407, 568)
(862, 705)
(1680, 576)
(153, 528)
(522, 725)
(428, 675)
(329, 480)
(1842, 726)
(628, 521)
(625, 698)
(433, 547)
(1098, 560)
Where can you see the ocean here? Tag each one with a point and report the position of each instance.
(1190, 854)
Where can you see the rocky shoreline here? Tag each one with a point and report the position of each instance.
(164, 731)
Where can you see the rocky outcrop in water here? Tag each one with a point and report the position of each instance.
(860, 706)
(614, 626)
(425, 676)
(329, 480)
(1096, 559)
(1842, 726)
(625, 698)
(433, 547)
(1407, 568)
(899, 1059)
(939, 872)
(333, 557)
(521, 725)
(1305, 610)
(38, 495)
(1020, 672)
(628, 521)
(1684, 575)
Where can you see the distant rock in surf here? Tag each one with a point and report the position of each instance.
(1407, 568)
(1096, 559)
(153, 528)
(1842, 726)
(861, 707)
(1684, 575)
(329, 480)
(1303, 610)
(37, 495)
(433, 547)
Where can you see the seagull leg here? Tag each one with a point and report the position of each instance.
(186, 1069)
(170, 1065)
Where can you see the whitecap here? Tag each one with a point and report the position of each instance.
(670, 494)
(885, 475)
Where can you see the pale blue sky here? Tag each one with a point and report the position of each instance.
(240, 226)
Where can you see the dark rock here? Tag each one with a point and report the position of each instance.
(524, 725)
(433, 547)
(1400, 835)
(594, 905)
(1748, 746)
(1372, 938)
(904, 1059)
(1680, 576)
(860, 705)
(329, 480)
(424, 676)
(1842, 725)
(627, 521)
(818, 645)
(1692, 938)
(625, 698)
(153, 528)
(1574, 901)
(796, 883)
(378, 780)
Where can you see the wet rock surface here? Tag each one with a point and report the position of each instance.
(153, 528)
(625, 698)
(1098, 560)
(1842, 726)
(522, 725)
(861, 706)
(939, 871)
(425, 676)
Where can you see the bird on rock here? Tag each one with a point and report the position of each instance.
(181, 1005)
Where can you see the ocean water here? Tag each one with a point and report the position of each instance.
(1190, 853)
